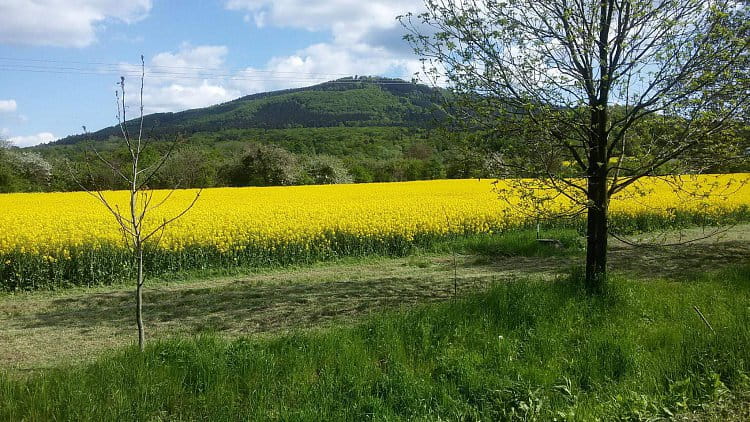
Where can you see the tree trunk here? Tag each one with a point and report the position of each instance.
(139, 300)
(597, 198)
(596, 234)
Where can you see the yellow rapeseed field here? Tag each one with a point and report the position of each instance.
(50, 224)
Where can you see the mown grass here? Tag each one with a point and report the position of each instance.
(521, 350)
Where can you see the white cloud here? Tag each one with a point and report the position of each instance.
(63, 23)
(30, 140)
(180, 96)
(367, 40)
(181, 80)
(8, 106)
(208, 57)
(323, 62)
(346, 18)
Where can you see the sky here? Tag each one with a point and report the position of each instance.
(60, 60)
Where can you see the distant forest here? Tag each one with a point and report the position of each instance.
(346, 131)
(255, 157)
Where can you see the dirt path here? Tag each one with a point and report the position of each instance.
(43, 329)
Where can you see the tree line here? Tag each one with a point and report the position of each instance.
(299, 156)
(286, 157)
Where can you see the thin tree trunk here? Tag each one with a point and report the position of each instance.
(139, 300)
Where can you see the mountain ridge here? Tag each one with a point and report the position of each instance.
(352, 101)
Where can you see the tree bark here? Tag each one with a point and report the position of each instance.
(139, 301)
(596, 232)
(597, 198)
(598, 194)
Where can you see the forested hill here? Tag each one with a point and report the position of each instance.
(364, 101)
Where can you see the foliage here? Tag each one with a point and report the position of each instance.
(516, 243)
(368, 154)
(31, 166)
(187, 167)
(523, 350)
(570, 81)
(264, 165)
(326, 170)
(6, 172)
(23, 170)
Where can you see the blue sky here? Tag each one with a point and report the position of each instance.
(60, 59)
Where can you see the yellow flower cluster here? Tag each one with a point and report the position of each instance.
(50, 224)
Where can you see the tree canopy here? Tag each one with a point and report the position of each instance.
(572, 80)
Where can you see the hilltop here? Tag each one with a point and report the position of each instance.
(349, 102)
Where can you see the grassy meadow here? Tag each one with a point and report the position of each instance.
(529, 349)
(379, 311)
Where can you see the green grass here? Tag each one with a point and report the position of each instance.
(20, 271)
(521, 350)
(514, 243)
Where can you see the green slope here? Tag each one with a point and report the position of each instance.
(358, 102)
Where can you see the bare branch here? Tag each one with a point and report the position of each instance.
(167, 221)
